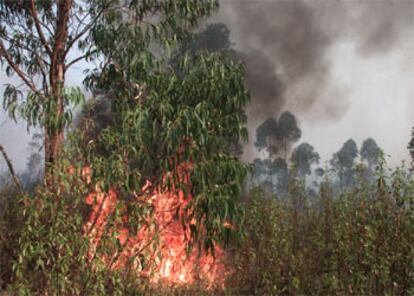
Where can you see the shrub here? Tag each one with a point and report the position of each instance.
(358, 243)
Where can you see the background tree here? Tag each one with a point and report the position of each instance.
(303, 157)
(266, 136)
(319, 172)
(288, 132)
(278, 136)
(213, 38)
(370, 152)
(34, 170)
(343, 163)
(282, 172)
(317, 179)
(410, 146)
(259, 169)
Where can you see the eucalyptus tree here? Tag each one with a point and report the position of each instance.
(343, 162)
(277, 136)
(289, 132)
(370, 151)
(410, 146)
(169, 129)
(214, 38)
(40, 41)
(266, 135)
(282, 173)
(37, 44)
(303, 157)
(259, 169)
(165, 117)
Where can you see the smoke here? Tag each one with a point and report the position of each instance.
(285, 46)
(380, 25)
(266, 87)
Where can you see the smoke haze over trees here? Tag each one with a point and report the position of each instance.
(285, 46)
(278, 136)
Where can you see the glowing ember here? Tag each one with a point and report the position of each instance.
(174, 265)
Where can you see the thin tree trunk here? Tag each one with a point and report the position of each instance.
(54, 129)
(11, 169)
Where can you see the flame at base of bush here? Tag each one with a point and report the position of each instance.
(169, 260)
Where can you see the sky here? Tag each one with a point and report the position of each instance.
(344, 68)
(379, 102)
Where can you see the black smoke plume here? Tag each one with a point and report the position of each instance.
(285, 46)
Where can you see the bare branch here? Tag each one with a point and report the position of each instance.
(74, 61)
(80, 21)
(38, 28)
(47, 28)
(83, 32)
(11, 169)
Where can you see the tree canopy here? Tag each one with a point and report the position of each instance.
(343, 162)
(303, 157)
(370, 151)
(40, 41)
(278, 136)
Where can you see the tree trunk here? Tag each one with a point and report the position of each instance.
(54, 127)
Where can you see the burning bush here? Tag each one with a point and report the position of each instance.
(99, 234)
(164, 242)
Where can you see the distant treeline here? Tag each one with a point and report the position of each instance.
(284, 163)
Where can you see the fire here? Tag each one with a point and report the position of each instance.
(171, 263)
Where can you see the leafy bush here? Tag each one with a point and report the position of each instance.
(358, 243)
(44, 249)
(10, 226)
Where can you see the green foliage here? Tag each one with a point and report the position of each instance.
(360, 243)
(165, 118)
(178, 121)
(27, 51)
(45, 248)
(410, 146)
(10, 225)
(161, 123)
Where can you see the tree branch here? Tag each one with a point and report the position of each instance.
(11, 169)
(16, 69)
(85, 30)
(80, 58)
(30, 50)
(38, 28)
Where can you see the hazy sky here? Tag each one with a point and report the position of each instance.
(379, 101)
(345, 68)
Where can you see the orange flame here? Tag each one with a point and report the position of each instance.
(175, 265)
